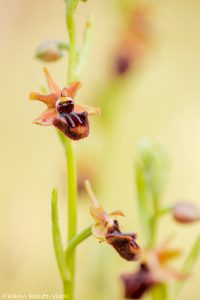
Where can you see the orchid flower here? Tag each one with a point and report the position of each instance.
(106, 228)
(153, 270)
(62, 111)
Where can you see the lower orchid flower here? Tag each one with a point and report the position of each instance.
(152, 272)
(106, 228)
(62, 111)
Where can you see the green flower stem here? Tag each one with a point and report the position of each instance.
(62, 138)
(154, 219)
(73, 240)
(70, 10)
(72, 213)
(77, 240)
(159, 213)
(69, 151)
(163, 212)
(66, 290)
(143, 202)
(72, 188)
(160, 292)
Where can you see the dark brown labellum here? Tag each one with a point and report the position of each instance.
(136, 284)
(73, 125)
(124, 243)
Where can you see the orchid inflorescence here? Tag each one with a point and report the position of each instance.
(151, 270)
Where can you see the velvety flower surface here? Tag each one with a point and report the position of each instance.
(62, 111)
(124, 243)
(106, 228)
(153, 270)
(136, 284)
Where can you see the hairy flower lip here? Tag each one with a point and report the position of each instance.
(138, 283)
(62, 111)
(123, 243)
(73, 128)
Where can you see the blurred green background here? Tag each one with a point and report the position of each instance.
(161, 101)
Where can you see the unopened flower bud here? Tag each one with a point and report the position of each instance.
(50, 51)
(186, 212)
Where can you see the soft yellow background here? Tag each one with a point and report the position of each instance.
(163, 103)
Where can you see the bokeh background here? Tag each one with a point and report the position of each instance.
(160, 100)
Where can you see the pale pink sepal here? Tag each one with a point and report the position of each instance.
(46, 118)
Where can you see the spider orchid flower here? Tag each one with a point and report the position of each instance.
(153, 270)
(106, 228)
(62, 111)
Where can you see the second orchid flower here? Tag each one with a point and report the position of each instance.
(106, 228)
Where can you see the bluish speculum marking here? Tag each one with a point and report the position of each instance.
(73, 119)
